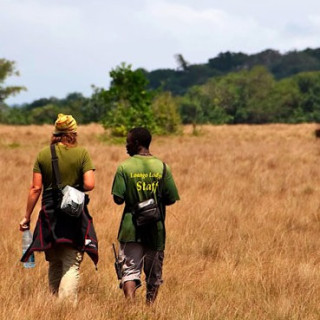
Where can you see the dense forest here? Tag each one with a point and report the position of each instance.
(188, 75)
(266, 87)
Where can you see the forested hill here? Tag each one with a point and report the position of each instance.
(187, 75)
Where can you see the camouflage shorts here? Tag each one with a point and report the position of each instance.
(135, 256)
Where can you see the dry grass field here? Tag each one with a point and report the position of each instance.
(243, 242)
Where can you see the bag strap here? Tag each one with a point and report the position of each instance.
(55, 168)
(159, 193)
(161, 182)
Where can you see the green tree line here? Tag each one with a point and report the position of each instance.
(243, 91)
(254, 97)
(127, 103)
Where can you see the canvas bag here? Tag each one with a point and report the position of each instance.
(72, 200)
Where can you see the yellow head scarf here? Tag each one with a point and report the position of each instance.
(65, 123)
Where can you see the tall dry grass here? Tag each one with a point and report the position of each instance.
(243, 242)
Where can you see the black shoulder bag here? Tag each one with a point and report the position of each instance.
(149, 211)
(71, 200)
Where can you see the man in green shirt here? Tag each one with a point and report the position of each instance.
(137, 179)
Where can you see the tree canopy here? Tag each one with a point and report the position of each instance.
(8, 69)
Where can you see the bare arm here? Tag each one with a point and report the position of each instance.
(88, 180)
(34, 194)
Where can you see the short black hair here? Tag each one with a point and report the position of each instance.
(142, 135)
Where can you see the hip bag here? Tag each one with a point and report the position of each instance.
(149, 211)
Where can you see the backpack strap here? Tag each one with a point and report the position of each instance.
(55, 168)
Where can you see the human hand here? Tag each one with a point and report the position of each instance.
(24, 224)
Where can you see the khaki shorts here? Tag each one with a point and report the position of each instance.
(133, 257)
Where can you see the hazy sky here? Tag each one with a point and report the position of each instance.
(63, 46)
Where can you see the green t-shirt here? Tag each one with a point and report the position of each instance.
(73, 163)
(136, 180)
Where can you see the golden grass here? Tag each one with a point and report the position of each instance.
(243, 242)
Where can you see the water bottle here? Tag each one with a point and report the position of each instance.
(26, 241)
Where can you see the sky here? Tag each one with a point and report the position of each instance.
(65, 46)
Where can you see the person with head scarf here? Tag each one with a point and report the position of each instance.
(63, 238)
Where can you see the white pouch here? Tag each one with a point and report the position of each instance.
(72, 201)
